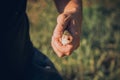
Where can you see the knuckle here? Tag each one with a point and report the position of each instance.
(61, 18)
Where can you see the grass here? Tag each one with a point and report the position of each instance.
(98, 56)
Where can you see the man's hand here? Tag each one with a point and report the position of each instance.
(69, 20)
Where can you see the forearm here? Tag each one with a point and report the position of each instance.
(68, 5)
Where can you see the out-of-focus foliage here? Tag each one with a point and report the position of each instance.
(98, 57)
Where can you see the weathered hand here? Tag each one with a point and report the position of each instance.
(70, 21)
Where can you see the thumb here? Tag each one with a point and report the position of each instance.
(63, 19)
(62, 23)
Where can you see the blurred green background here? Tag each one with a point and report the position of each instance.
(98, 57)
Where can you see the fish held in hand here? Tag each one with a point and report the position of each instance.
(66, 37)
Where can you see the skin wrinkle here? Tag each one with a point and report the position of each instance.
(57, 51)
(60, 46)
(62, 22)
(58, 30)
(63, 49)
(63, 19)
(70, 18)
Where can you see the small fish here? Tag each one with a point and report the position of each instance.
(66, 37)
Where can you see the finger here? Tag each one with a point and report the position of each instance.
(63, 48)
(59, 53)
(60, 49)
